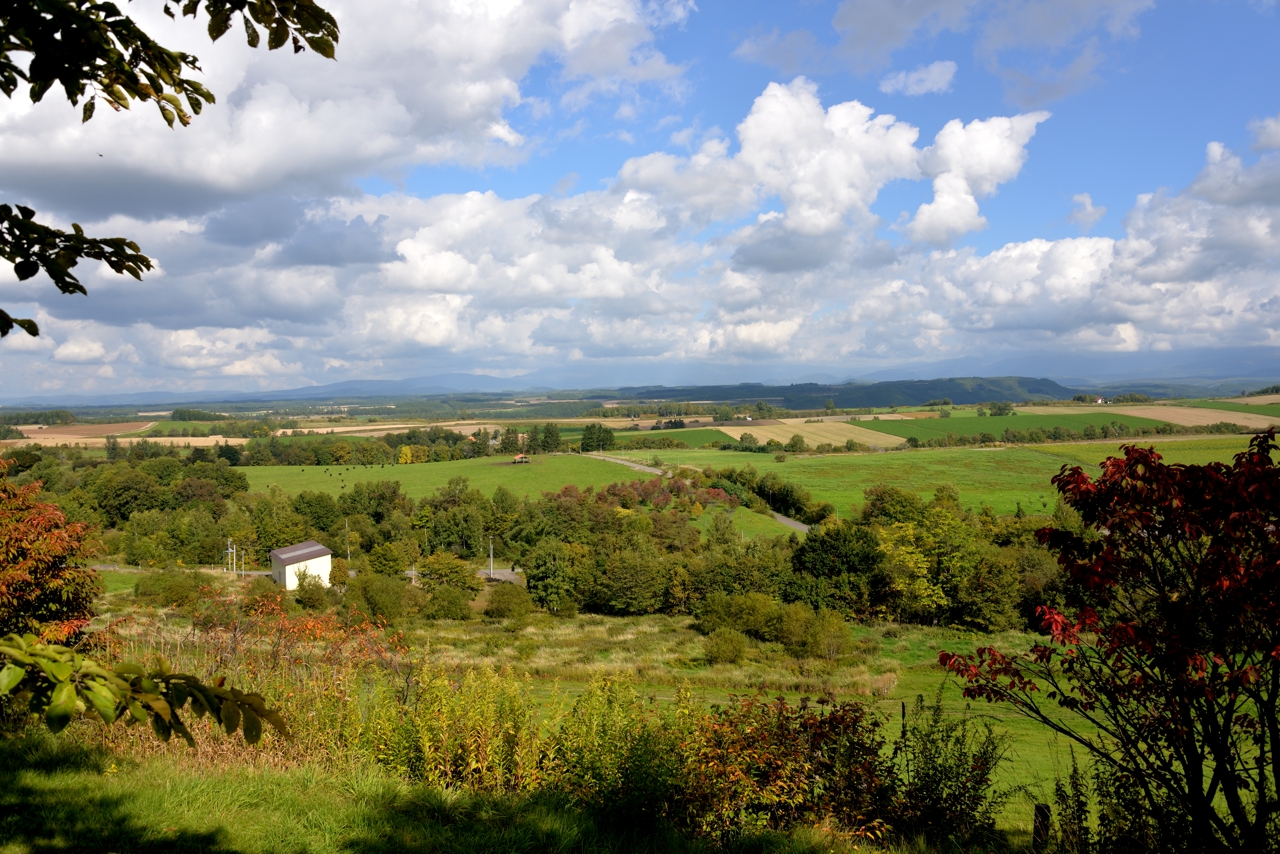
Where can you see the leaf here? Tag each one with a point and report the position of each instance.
(130, 668)
(135, 709)
(61, 707)
(278, 35)
(26, 268)
(250, 33)
(321, 45)
(168, 115)
(219, 24)
(106, 708)
(230, 716)
(88, 110)
(59, 671)
(161, 727)
(10, 676)
(252, 727)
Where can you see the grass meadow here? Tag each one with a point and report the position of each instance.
(1001, 477)
(227, 801)
(967, 423)
(694, 437)
(543, 474)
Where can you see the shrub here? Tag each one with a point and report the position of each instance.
(947, 767)
(170, 587)
(448, 603)
(725, 646)
(508, 601)
(827, 637)
(377, 596)
(616, 757)
(311, 594)
(261, 591)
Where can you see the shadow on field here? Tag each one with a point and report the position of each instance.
(46, 805)
(427, 820)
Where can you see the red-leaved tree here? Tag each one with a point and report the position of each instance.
(42, 590)
(1168, 669)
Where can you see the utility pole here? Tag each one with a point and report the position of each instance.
(347, 525)
(491, 556)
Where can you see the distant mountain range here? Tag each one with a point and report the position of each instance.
(1162, 374)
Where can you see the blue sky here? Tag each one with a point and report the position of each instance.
(664, 184)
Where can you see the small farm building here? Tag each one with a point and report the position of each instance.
(291, 561)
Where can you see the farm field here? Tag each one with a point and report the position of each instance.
(1001, 478)
(545, 473)
(1216, 449)
(1264, 406)
(694, 437)
(969, 424)
(835, 432)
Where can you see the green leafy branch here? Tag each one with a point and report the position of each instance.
(32, 246)
(96, 52)
(58, 683)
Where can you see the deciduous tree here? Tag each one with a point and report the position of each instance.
(42, 590)
(1167, 669)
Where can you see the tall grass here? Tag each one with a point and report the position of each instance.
(355, 697)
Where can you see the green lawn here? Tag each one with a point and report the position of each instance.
(1001, 478)
(967, 423)
(544, 474)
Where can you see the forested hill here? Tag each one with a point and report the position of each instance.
(959, 390)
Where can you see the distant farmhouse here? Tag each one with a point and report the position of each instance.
(292, 561)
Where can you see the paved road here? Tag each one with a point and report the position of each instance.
(792, 523)
(629, 464)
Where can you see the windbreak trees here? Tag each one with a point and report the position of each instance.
(1167, 669)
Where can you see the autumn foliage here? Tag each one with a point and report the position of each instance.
(1167, 668)
(42, 590)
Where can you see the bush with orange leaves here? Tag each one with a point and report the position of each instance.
(43, 590)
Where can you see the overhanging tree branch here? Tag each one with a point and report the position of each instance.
(95, 52)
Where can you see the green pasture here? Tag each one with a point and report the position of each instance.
(1001, 478)
(930, 428)
(694, 437)
(1217, 449)
(546, 473)
(751, 524)
(1272, 409)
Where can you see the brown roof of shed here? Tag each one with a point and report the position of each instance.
(299, 552)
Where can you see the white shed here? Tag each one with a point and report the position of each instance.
(291, 561)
